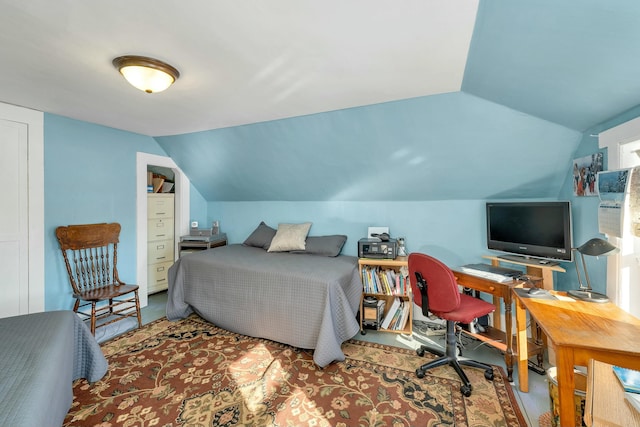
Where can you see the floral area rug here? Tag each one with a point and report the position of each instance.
(192, 373)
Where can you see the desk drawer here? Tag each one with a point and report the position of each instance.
(161, 251)
(481, 284)
(160, 229)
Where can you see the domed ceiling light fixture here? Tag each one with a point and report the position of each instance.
(147, 74)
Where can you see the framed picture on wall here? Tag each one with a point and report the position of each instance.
(585, 170)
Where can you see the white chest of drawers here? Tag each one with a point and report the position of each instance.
(160, 239)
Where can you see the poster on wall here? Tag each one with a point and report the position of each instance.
(585, 170)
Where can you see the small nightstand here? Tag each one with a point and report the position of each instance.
(190, 244)
(379, 267)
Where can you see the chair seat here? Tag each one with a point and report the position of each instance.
(470, 308)
(109, 291)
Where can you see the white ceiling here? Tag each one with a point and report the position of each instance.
(240, 61)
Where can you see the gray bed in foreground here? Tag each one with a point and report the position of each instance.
(42, 354)
(307, 301)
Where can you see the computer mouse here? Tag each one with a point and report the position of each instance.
(537, 291)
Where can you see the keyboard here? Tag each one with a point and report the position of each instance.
(491, 272)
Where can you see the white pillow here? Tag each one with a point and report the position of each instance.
(290, 237)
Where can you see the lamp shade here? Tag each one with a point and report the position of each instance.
(597, 247)
(147, 74)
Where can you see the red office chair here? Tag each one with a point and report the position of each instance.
(435, 290)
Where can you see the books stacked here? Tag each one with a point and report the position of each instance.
(397, 316)
(630, 380)
(376, 280)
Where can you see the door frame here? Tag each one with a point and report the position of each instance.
(613, 140)
(35, 292)
(181, 214)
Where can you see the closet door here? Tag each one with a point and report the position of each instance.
(14, 219)
(21, 210)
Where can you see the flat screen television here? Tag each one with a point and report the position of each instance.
(531, 232)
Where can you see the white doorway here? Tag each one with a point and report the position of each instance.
(629, 262)
(22, 211)
(623, 269)
(182, 200)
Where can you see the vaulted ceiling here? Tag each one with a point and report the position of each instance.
(443, 91)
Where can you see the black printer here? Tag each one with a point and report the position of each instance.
(377, 248)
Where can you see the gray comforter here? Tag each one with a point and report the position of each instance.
(42, 354)
(307, 301)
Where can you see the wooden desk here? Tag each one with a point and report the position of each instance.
(495, 335)
(578, 331)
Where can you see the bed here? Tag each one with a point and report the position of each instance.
(42, 354)
(302, 299)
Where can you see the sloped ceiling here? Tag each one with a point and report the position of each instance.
(240, 62)
(441, 147)
(289, 100)
(569, 62)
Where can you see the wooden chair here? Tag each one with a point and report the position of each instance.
(90, 254)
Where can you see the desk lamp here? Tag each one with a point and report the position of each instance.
(594, 247)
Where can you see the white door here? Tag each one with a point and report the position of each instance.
(14, 219)
(629, 267)
(21, 210)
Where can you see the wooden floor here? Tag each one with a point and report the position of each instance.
(533, 404)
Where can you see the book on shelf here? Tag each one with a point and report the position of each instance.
(397, 316)
(377, 280)
(404, 316)
(391, 313)
(629, 378)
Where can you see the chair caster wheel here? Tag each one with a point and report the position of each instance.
(488, 374)
(420, 373)
(465, 390)
(420, 351)
(363, 332)
(459, 350)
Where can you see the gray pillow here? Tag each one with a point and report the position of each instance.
(324, 245)
(261, 236)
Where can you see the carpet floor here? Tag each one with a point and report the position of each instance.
(192, 373)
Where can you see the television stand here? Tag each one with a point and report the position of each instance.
(524, 260)
(533, 268)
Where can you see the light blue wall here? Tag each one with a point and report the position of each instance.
(585, 209)
(197, 208)
(452, 146)
(556, 59)
(90, 176)
(451, 230)
(585, 222)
